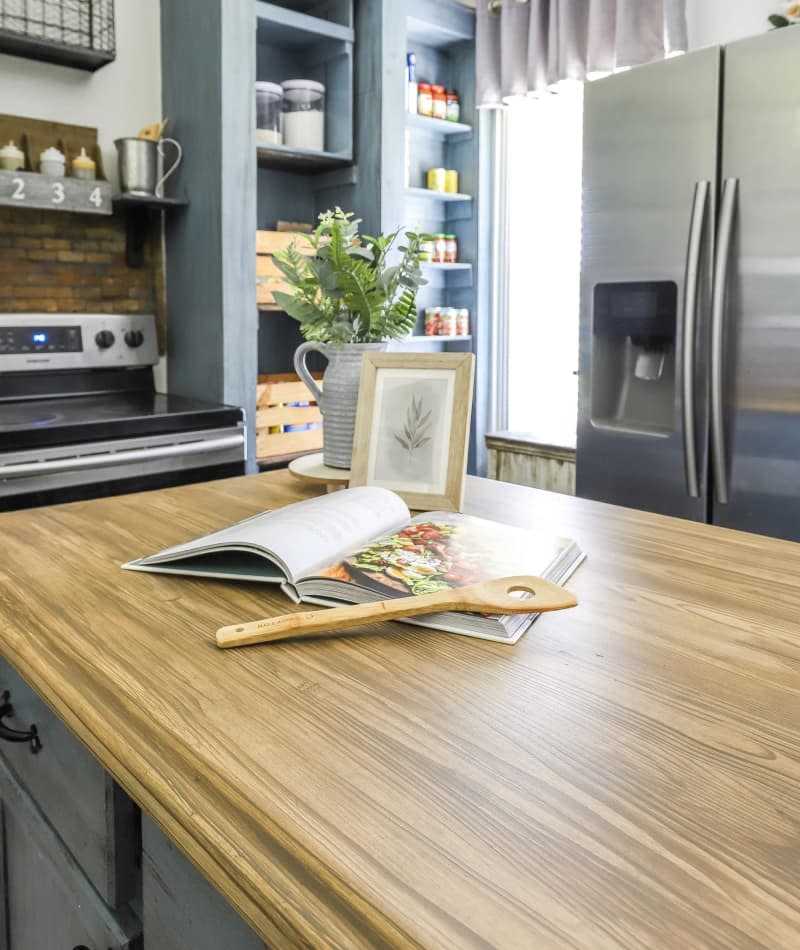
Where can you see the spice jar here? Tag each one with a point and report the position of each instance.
(432, 321)
(84, 167)
(439, 102)
(452, 106)
(426, 250)
(451, 249)
(440, 249)
(425, 99)
(447, 323)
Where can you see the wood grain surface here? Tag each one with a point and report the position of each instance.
(627, 775)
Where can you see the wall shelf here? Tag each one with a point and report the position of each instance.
(428, 124)
(137, 210)
(302, 160)
(32, 190)
(428, 194)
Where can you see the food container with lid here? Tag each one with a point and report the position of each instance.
(451, 181)
(437, 179)
(303, 114)
(269, 98)
(440, 249)
(84, 167)
(12, 158)
(451, 249)
(424, 99)
(448, 321)
(439, 102)
(52, 163)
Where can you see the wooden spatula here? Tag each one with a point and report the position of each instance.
(490, 597)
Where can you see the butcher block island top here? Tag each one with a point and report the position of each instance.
(628, 774)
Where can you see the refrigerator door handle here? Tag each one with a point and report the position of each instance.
(718, 451)
(690, 296)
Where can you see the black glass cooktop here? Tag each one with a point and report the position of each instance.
(28, 423)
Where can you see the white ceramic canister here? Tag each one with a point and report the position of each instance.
(12, 158)
(52, 163)
(303, 116)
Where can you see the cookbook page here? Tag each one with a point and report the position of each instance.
(439, 550)
(303, 537)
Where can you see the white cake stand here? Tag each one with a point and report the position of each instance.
(311, 468)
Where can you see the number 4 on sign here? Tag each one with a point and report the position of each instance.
(96, 198)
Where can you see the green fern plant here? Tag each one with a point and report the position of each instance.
(348, 292)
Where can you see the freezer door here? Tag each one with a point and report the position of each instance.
(758, 430)
(650, 168)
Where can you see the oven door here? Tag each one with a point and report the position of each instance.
(70, 472)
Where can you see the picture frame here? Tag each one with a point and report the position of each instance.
(412, 426)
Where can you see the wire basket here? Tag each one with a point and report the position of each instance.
(70, 32)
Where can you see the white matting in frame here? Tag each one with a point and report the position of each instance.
(412, 426)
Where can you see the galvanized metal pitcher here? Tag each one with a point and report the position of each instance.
(339, 396)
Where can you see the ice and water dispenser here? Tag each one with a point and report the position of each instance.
(633, 356)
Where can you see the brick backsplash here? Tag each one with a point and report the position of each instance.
(52, 262)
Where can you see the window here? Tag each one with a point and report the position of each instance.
(544, 137)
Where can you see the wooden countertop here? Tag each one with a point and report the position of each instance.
(627, 775)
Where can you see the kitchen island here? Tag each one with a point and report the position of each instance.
(628, 774)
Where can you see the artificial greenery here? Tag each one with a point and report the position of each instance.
(347, 292)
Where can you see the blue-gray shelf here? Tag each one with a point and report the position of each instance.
(429, 194)
(292, 30)
(426, 123)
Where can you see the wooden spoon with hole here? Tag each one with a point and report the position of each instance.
(490, 597)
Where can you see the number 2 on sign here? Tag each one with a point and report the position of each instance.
(18, 194)
(96, 198)
(58, 193)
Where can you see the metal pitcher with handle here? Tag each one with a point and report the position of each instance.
(338, 398)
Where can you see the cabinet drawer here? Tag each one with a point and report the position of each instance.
(96, 820)
(48, 900)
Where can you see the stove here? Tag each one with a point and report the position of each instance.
(80, 417)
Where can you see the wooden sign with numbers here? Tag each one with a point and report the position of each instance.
(32, 190)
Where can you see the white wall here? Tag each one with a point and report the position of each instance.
(721, 21)
(118, 99)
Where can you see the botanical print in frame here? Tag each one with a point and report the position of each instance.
(412, 426)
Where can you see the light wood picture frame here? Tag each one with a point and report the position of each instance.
(412, 426)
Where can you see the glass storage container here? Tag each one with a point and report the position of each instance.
(304, 114)
(269, 96)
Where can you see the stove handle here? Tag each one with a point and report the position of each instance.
(121, 457)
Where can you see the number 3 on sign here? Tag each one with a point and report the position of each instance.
(96, 198)
(58, 193)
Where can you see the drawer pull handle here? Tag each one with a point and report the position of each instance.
(16, 735)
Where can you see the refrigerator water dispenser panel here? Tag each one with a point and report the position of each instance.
(633, 356)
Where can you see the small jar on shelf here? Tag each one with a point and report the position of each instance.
(452, 106)
(440, 249)
(424, 99)
(439, 102)
(450, 249)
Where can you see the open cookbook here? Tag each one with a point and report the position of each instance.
(362, 544)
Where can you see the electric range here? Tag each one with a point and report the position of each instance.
(80, 417)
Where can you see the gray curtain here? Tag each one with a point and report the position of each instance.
(526, 46)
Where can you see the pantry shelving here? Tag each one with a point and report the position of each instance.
(428, 194)
(424, 123)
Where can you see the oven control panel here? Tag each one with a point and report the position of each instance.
(31, 341)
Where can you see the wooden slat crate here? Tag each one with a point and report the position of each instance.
(269, 278)
(273, 393)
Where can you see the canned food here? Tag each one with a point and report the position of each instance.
(437, 179)
(451, 181)
(462, 322)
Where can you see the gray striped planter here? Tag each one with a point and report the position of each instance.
(339, 397)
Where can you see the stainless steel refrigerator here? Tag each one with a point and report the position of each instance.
(690, 291)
